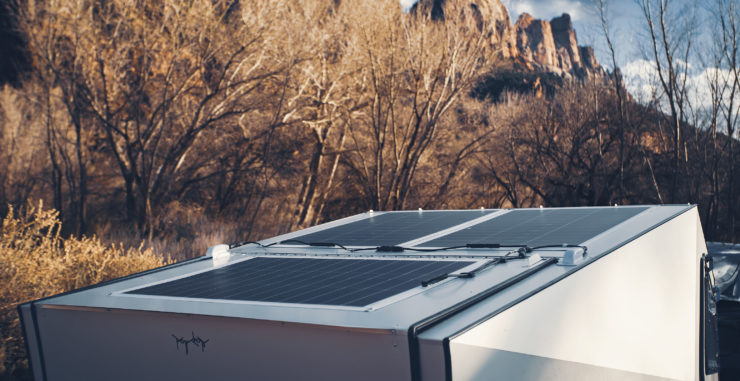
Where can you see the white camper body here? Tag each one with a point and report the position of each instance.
(563, 293)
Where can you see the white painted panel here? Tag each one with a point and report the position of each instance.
(634, 310)
(116, 345)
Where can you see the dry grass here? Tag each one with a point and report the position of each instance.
(182, 231)
(35, 261)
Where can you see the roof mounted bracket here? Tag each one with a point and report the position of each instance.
(572, 256)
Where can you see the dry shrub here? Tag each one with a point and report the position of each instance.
(35, 261)
(181, 230)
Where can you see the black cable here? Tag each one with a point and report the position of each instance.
(242, 243)
(521, 251)
(466, 274)
(471, 273)
(398, 249)
(388, 249)
(315, 244)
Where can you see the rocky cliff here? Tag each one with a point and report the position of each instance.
(489, 17)
(529, 44)
(552, 46)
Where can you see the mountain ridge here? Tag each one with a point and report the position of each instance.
(529, 44)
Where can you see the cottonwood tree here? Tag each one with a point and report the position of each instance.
(412, 70)
(729, 28)
(566, 151)
(23, 158)
(723, 77)
(323, 99)
(59, 91)
(671, 28)
(444, 181)
(506, 171)
(623, 116)
(155, 80)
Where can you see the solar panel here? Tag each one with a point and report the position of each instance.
(338, 282)
(393, 228)
(536, 227)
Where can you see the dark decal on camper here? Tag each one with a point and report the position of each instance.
(195, 340)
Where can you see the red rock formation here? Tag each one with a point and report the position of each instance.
(588, 58)
(535, 42)
(566, 44)
(530, 44)
(486, 16)
(552, 46)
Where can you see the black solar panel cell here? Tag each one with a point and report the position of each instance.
(337, 282)
(536, 227)
(392, 228)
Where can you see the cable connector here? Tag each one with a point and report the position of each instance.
(483, 246)
(389, 249)
(436, 279)
(322, 244)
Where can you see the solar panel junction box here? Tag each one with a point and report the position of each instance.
(572, 256)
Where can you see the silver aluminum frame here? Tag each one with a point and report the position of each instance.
(370, 307)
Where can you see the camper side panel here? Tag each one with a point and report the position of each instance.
(25, 312)
(98, 344)
(630, 315)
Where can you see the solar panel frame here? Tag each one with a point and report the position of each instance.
(537, 227)
(366, 302)
(390, 228)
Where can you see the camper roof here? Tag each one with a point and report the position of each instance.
(384, 270)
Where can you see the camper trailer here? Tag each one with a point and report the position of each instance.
(597, 293)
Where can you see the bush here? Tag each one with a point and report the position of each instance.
(35, 261)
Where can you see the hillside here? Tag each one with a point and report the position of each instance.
(211, 116)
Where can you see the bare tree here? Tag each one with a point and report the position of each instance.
(412, 71)
(56, 54)
(153, 88)
(728, 29)
(21, 176)
(671, 35)
(324, 100)
(618, 88)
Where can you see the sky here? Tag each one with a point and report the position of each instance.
(623, 15)
(629, 35)
(624, 19)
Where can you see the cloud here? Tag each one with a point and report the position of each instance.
(407, 4)
(641, 80)
(547, 9)
(700, 85)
